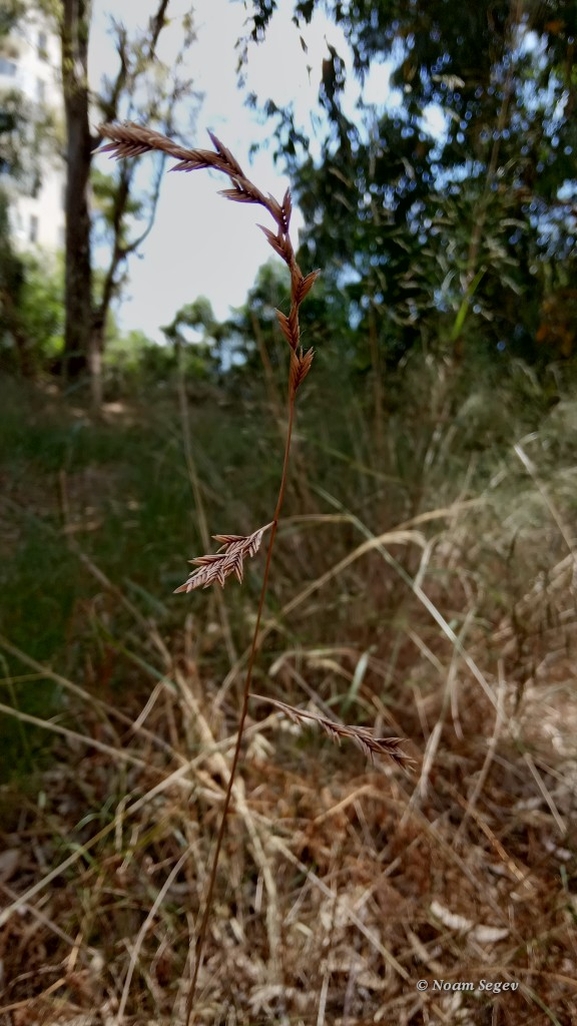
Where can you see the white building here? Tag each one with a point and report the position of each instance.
(30, 64)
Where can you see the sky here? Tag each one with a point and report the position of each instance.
(202, 244)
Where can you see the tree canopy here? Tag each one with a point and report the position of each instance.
(428, 228)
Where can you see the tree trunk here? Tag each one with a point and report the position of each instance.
(75, 27)
(95, 357)
(95, 367)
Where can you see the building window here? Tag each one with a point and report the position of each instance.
(7, 67)
(40, 90)
(42, 46)
(33, 235)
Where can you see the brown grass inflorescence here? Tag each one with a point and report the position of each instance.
(131, 140)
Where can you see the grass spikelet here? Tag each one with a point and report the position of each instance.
(300, 365)
(363, 737)
(216, 567)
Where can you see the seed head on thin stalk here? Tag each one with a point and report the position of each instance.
(130, 140)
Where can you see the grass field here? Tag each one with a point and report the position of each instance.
(423, 585)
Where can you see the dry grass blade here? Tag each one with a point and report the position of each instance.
(229, 559)
(363, 737)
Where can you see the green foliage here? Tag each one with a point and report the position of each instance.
(42, 309)
(11, 273)
(11, 13)
(437, 241)
(31, 310)
(134, 364)
(11, 282)
(104, 192)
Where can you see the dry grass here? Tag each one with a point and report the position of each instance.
(338, 883)
(341, 884)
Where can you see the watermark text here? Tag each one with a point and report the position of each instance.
(492, 986)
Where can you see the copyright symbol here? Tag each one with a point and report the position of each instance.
(422, 985)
